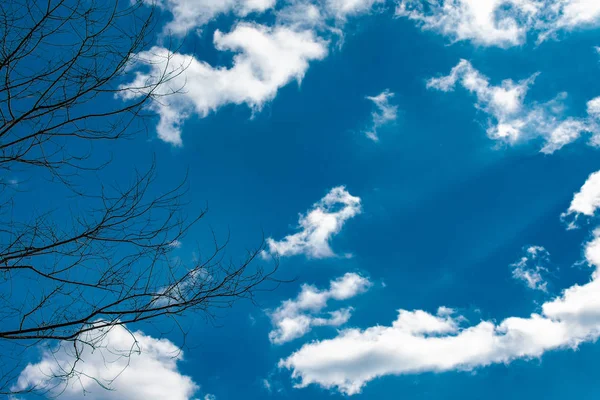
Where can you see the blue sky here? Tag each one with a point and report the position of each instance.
(435, 159)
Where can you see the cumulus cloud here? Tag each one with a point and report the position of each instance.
(586, 201)
(190, 14)
(530, 269)
(593, 107)
(131, 364)
(475, 20)
(324, 220)
(419, 341)
(296, 317)
(502, 23)
(266, 60)
(571, 14)
(511, 120)
(384, 113)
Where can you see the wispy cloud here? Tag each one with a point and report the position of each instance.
(531, 268)
(324, 220)
(193, 14)
(384, 114)
(585, 202)
(511, 119)
(296, 317)
(502, 23)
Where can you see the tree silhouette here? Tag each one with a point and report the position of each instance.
(108, 263)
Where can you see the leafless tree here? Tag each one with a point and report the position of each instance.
(108, 260)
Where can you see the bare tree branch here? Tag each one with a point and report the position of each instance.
(63, 68)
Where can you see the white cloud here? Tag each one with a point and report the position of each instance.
(296, 317)
(317, 14)
(384, 114)
(532, 275)
(586, 201)
(593, 107)
(318, 225)
(419, 341)
(475, 20)
(344, 8)
(511, 120)
(561, 134)
(132, 365)
(502, 23)
(267, 385)
(266, 60)
(302, 15)
(193, 14)
(184, 289)
(190, 14)
(210, 397)
(504, 102)
(269, 58)
(176, 244)
(571, 14)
